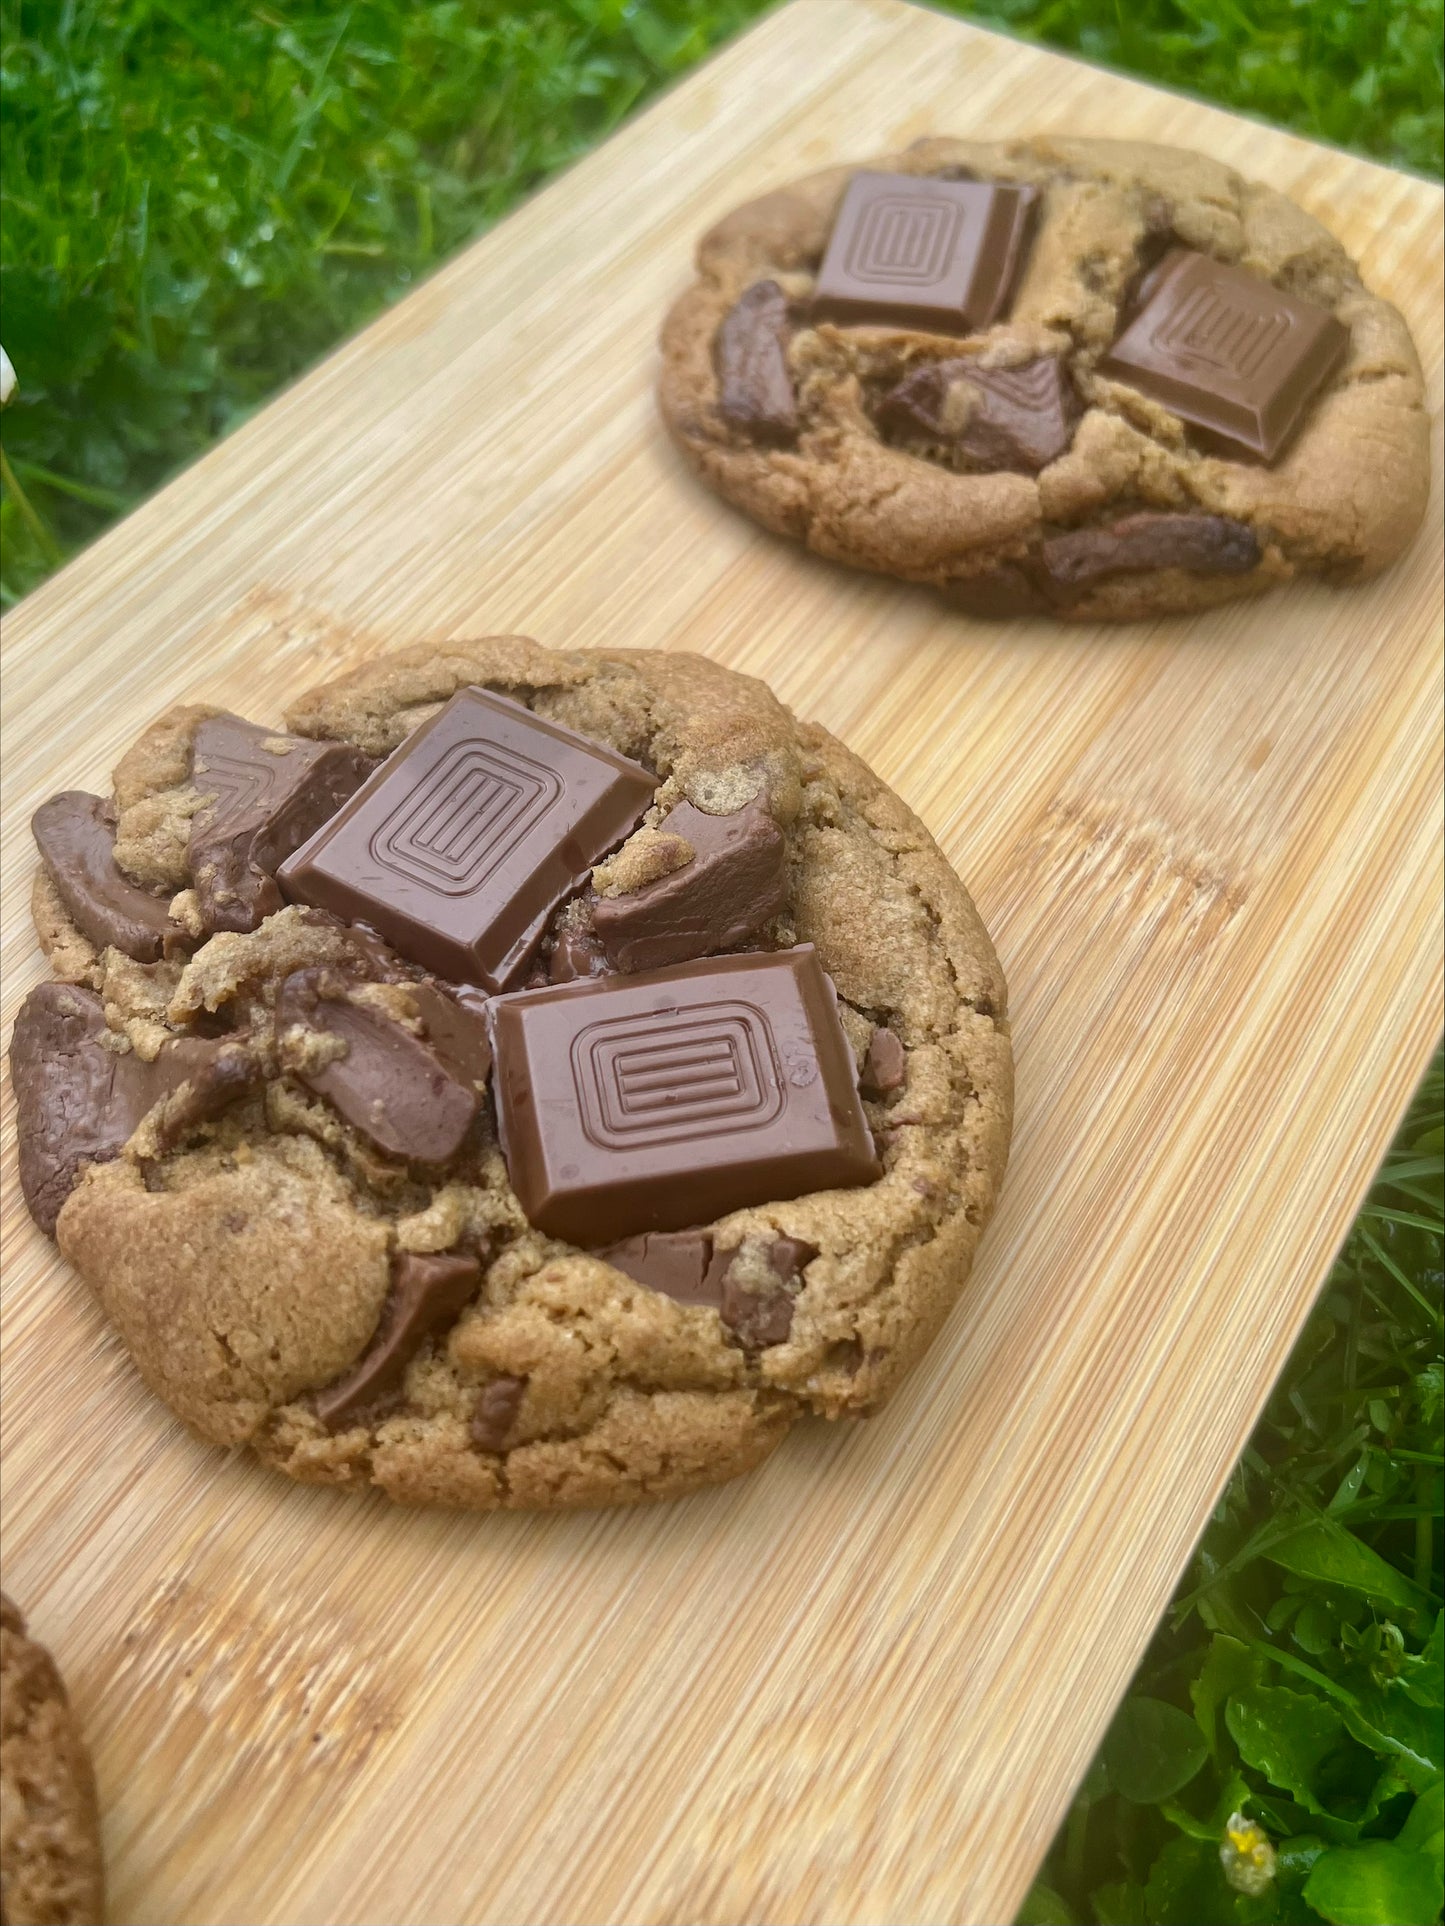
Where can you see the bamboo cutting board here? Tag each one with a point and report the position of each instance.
(861, 1685)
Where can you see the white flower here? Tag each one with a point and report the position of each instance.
(1247, 1856)
(7, 378)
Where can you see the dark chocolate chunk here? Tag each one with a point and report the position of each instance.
(495, 1412)
(1206, 544)
(885, 1067)
(427, 1293)
(735, 883)
(78, 1102)
(75, 835)
(460, 847)
(750, 353)
(913, 251)
(1233, 356)
(646, 1103)
(680, 1264)
(760, 1318)
(271, 792)
(1018, 419)
(403, 1095)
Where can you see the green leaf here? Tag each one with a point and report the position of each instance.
(1229, 1667)
(1376, 1884)
(1424, 1828)
(1327, 1553)
(1043, 1907)
(1300, 1743)
(1390, 1720)
(1423, 1673)
(1152, 1749)
(1120, 1905)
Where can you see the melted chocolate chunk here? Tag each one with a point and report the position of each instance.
(577, 952)
(427, 1293)
(455, 1022)
(918, 251)
(735, 883)
(1019, 419)
(271, 793)
(78, 1102)
(495, 1412)
(75, 835)
(680, 1264)
(760, 1318)
(684, 1265)
(1206, 544)
(405, 1096)
(885, 1067)
(996, 593)
(212, 1085)
(750, 353)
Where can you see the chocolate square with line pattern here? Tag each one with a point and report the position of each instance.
(460, 847)
(1235, 357)
(652, 1102)
(911, 251)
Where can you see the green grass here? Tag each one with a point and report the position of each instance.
(199, 199)
(1297, 1677)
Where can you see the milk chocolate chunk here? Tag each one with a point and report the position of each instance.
(456, 1028)
(913, 251)
(736, 882)
(1237, 359)
(495, 1412)
(75, 834)
(1019, 419)
(680, 1264)
(885, 1067)
(271, 792)
(758, 1318)
(1205, 544)
(427, 1294)
(750, 353)
(463, 843)
(78, 1102)
(214, 1081)
(403, 1095)
(650, 1102)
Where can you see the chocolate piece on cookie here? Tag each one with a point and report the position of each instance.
(646, 1103)
(911, 251)
(75, 834)
(885, 1066)
(734, 883)
(755, 387)
(994, 345)
(327, 1226)
(50, 1864)
(270, 792)
(427, 1294)
(1206, 544)
(1236, 358)
(409, 1098)
(994, 418)
(464, 842)
(81, 1092)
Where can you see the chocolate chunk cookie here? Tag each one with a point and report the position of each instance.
(50, 1868)
(621, 1076)
(1093, 379)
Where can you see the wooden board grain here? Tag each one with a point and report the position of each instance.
(860, 1686)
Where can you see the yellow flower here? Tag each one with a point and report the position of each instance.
(1246, 1856)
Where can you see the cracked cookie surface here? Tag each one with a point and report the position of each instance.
(50, 1866)
(287, 1279)
(962, 461)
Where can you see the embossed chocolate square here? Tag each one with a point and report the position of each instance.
(1229, 353)
(651, 1102)
(459, 848)
(910, 251)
